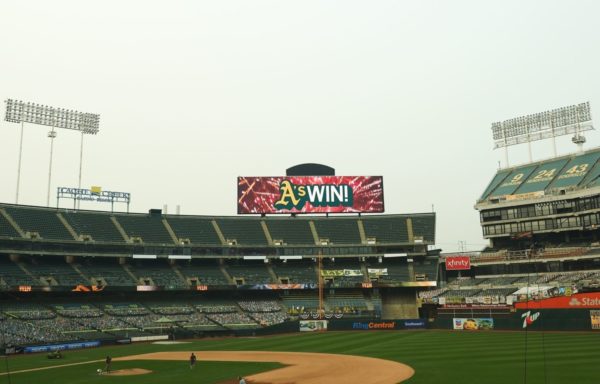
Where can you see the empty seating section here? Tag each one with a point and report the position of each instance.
(170, 308)
(386, 229)
(460, 293)
(54, 272)
(159, 272)
(233, 320)
(290, 231)
(573, 173)
(296, 272)
(207, 272)
(216, 306)
(125, 309)
(424, 226)
(149, 228)
(197, 230)
(251, 273)
(244, 231)
(297, 303)
(497, 292)
(350, 303)
(568, 172)
(498, 178)
(538, 181)
(503, 284)
(12, 275)
(338, 231)
(43, 221)
(108, 270)
(6, 229)
(426, 268)
(397, 271)
(97, 225)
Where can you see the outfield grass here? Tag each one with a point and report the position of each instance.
(436, 356)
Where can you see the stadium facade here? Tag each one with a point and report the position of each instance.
(106, 275)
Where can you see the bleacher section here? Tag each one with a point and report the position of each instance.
(426, 269)
(6, 229)
(244, 231)
(204, 272)
(573, 171)
(198, 230)
(99, 226)
(149, 228)
(296, 271)
(159, 272)
(52, 271)
(297, 303)
(338, 230)
(42, 221)
(237, 233)
(397, 270)
(386, 230)
(294, 231)
(348, 303)
(12, 275)
(424, 226)
(109, 270)
(250, 272)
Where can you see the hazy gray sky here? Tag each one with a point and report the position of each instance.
(193, 94)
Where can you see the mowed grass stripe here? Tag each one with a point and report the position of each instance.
(437, 356)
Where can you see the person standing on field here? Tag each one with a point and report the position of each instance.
(107, 365)
(192, 360)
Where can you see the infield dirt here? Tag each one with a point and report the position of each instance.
(301, 367)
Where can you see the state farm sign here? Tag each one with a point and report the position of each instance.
(457, 263)
(587, 300)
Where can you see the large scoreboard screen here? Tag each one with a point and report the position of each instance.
(310, 194)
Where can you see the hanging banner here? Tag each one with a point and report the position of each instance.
(341, 272)
(378, 271)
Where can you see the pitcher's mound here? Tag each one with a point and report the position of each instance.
(129, 372)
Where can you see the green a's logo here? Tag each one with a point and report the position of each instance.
(321, 195)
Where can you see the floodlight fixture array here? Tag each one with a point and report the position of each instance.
(21, 112)
(573, 119)
(26, 112)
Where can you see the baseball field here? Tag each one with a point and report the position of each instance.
(370, 357)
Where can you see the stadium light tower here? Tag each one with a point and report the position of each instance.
(574, 119)
(22, 112)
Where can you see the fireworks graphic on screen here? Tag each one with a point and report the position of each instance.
(259, 194)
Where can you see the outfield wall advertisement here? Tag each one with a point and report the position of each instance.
(473, 324)
(595, 319)
(310, 194)
(313, 325)
(61, 347)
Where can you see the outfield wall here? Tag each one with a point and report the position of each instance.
(537, 320)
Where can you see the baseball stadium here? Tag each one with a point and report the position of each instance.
(312, 282)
